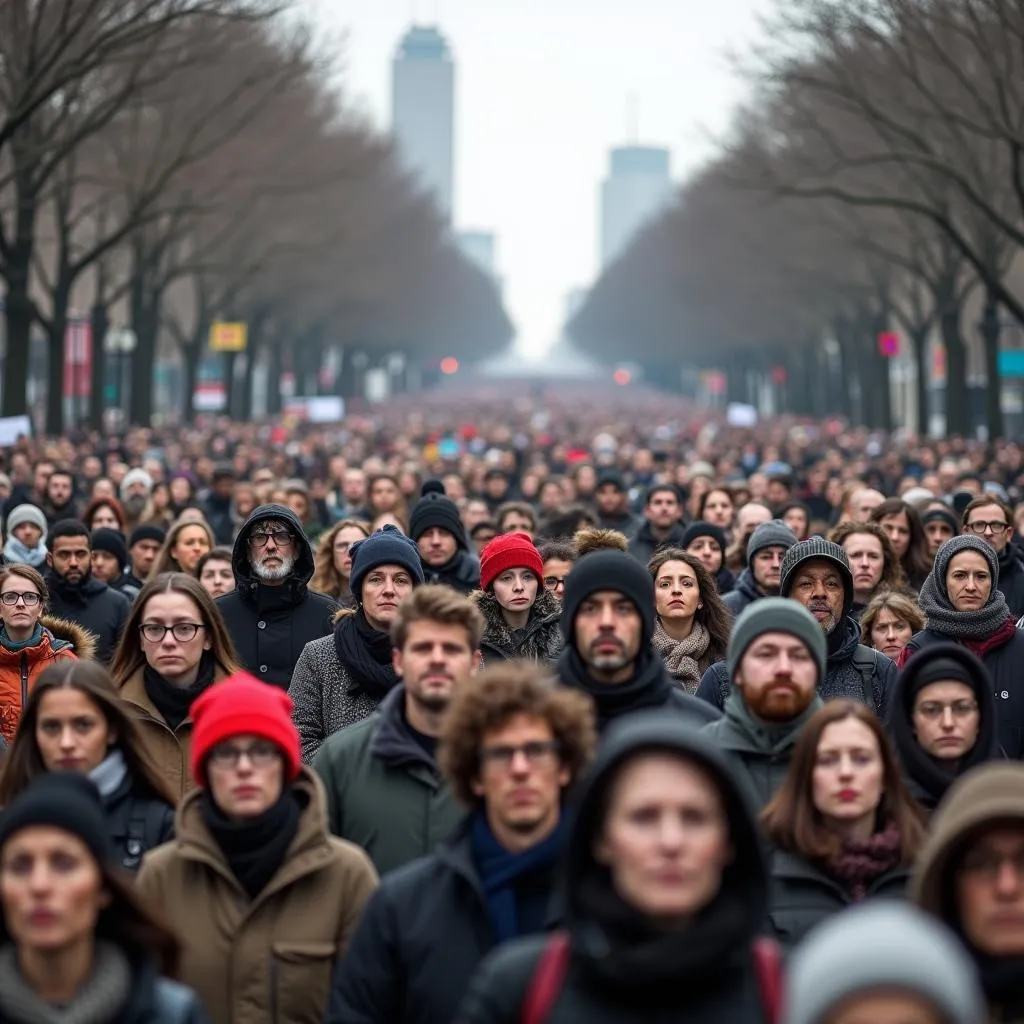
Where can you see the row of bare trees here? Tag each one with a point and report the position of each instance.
(168, 163)
(874, 182)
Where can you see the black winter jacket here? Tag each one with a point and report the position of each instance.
(94, 606)
(1011, 579)
(539, 640)
(745, 593)
(462, 573)
(271, 625)
(218, 515)
(156, 1000)
(644, 543)
(138, 822)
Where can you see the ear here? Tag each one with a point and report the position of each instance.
(1009, 534)
(478, 663)
(396, 661)
(49, 559)
(477, 786)
(564, 776)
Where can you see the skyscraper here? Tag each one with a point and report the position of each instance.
(638, 185)
(423, 110)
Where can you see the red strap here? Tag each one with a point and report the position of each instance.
(547, 980)
(768, 967)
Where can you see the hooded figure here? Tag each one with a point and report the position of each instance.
(928, 777)
(623, 966)
(271, 621)
(16, 550)
(434, 509)
(724, 579)
(749, 588)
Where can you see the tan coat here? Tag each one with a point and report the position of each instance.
(269, 960)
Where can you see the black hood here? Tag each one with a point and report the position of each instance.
(304, 562)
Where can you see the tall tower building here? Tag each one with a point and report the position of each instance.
(423, 110)
(638, 185)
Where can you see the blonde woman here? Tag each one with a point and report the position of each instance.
(334, 560)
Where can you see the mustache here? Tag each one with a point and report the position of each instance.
(819, 605)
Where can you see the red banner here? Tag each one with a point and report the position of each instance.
(78, 359)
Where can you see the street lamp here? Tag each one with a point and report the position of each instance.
(119, 343)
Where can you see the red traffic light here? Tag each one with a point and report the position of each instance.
(449, 365)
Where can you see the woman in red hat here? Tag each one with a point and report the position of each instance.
(521, 616)
(264, 897)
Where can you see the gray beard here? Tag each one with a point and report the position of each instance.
(274, 575)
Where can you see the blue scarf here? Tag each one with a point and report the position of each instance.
(16, 551)
(20, 645)
(500, 870)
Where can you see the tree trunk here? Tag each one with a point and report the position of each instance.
(146, 324)
(957, 408)
(56, 369)
(191, 357)
(274, 379)
(98, 384)
(990, 333)
(919, 342)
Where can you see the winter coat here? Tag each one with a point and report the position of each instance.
(804, 893)
(643, 544)
(59, 640)
(320, 691)
(462, 573)
(539, 640)
(93, 606)
(1004, 666)
(127, 585)
(139, 821)
(843, 676)
(1011, 579)
(220, 515)
(423, 934)
(384, 792)
(270, 958)
(271, 625)
(626, 523)
(744, 594)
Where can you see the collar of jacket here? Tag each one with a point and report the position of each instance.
(547, 609)
(785, 865)
(392, 741)
(744, 733)
(133, 691)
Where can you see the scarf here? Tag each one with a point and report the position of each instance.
(365, 654)
(942, 617)
(681, 656)
(500, 870)
(254, 848)
(861, 863)
(109, 773)
(16, 551)
(1003, 635)
(20, 645)
(174, 702)
(100, 1000)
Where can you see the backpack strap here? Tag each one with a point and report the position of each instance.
(547, 980)
(768, 969)
(864, 663)
(144, 826)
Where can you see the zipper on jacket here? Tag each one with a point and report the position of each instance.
(24, 682)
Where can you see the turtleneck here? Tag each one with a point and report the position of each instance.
(174, 702)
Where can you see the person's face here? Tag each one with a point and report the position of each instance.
(550, 497)
(676, 591)
(495, 487)
(990, 892)
(51, 889)
(246, 776)
(796, 520)
(819, 588)
(190, 545)
(885, 1007)
(516, 589)
(849, 777)
(897, 529)
(709, 553)
(437, 546)
(718, 509)
(946, 719)
(777, 492)
(521, 776)
(663, 510)
(555, 572)
(69, 558)
(105, 566)
(665, 838)
(767, 568)
(867, 560)
(21, 616)
(384, 496)
(217, 577)
(143, 554)
(170, 657)
(990, 523)
(889, 633)
(607, 632)
(58, 489)
(482, 538)
(777, 676)
(299, 504)
(353, 486)
(937, 533)
(383, 590)
(434, 661)
(864, 503)
(476, 511)
(41, 477)
(272, 548)
(608, 499)
(750, 517)
(104, 519)
(968, 581)
(181, 490)
(29, 534)
(516, 522)
(343, 541)
(72, 733)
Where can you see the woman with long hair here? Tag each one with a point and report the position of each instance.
(334, 560)
(74, 721)
(186, 542)
(105, 514)
(889, 621)
(385, 495)
(174, 647)
(158, 511)
(842, 824)
(716, 507)
(902, 523)
(693, 626)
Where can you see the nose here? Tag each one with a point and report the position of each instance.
(560, 588)
(947, 718)
(519, 765)
(1008, 878)
(67, 738)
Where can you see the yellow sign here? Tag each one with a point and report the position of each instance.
(228, 337)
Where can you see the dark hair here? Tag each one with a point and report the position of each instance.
(69, 528)
(562, 550)
(707, 494)
(437, 603)
(221, 554)
(980, 502)
(112, 503)
(917, 562)
(666, 488)
(565, 521)
(165, 561)
(62, 471)
(522, 507)
(892, 572)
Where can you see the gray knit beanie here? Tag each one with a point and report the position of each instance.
(773, 534)
(776, 615)
(957, 545)
(817, 549)
(136, 476)
(887, 945)
(21, 514)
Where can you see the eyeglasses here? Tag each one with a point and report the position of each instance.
(553, 581)
(261, 754)
(988, 864)
(535, 752)
(934, 709)
(995, 527)
(12, 597)
(261, 538)
(154, 632)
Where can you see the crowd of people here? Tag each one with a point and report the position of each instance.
(548, 714)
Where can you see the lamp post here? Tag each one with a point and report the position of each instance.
(119, 343)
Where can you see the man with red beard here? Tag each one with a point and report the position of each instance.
(776, 659)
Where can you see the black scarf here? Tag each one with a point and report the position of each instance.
(255, 848)
(365, 654)
(1002, 980)
(174, 702)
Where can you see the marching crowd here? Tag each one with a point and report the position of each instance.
(543, 717)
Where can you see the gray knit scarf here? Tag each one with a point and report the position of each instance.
(934, 600)
(99, 1001)
(681, 656)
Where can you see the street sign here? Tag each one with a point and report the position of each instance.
(1011, 363)
(228, 337)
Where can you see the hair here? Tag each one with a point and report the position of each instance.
(917, 562)
(326, 579)
(707, 494)
(794, 824)
(130, 657)
(899, 604)
(165, 560)
(69, 528)
(715, 616)
(660, 488)
(440, 604)
(219, 554)
(980, 502)
(401, 509)
(26, 572)
(562, 550)
(522, 507)
(112, 503)
(892, 571)
(592, 538)
(498, 694)
(565, 521)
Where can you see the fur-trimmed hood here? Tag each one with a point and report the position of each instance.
(68, 634)
(540, 639)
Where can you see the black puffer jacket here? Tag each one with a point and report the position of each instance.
(138, 821)
(644, 543)
(462, 573)
(1011, 579)
(745, 593)
(271, 625)
(539, 640)
(94, 606)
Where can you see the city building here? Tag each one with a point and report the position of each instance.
(638, 185)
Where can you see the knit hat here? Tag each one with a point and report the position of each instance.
(135, 476)
(146, 531)
(66, 801)
(773, 534)
(611, 477)
(608, 570)
(775, 615)
(945, 515)
(882, 945)
(960, 500)
(435, 508)
(817, 549)
(912, 495)
(956, 546)
(111, 541)
(239, 706)
(386, 546)
(21, 514)
(509, 551)
(703, 529)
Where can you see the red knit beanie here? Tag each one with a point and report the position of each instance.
(509, 551)
(241, 705)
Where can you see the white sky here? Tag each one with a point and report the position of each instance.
(542, 92)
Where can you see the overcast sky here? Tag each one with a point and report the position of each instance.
(543, 88)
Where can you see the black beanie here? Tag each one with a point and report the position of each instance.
(147, 531)
(609, 570)
(111, 541)
(435, 508)
(943, 515)
(62, 800)
(703, 529)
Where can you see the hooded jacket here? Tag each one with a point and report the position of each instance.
(621, 968)
(746, 592)
(462, 573)
(1011, 579)
(539, 640)
(271, 625)
(92, 605)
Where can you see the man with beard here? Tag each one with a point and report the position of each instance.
(77, 595)
(437, 529)
(776, 661)
(60, 503)
(762, 577)
(272, 614)
(136, 488)
(612, 502)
